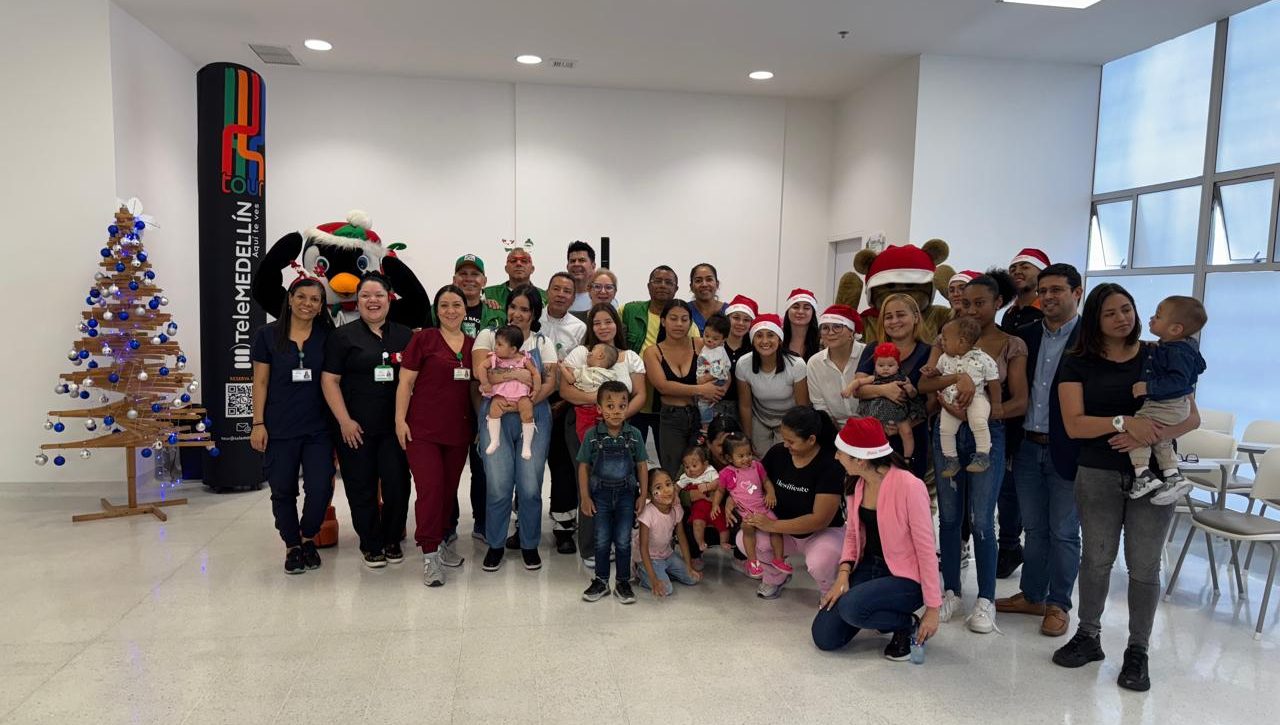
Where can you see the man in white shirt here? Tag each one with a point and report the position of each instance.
(832, 367)
(565, 332)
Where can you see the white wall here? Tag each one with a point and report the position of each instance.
(1004, 158)
(874, 152)
(59, 189)
(806, 193)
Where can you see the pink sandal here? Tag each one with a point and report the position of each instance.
(781, 565)
(754, 569)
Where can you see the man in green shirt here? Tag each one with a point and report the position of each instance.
(519, 272)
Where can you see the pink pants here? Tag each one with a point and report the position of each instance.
(821, 551)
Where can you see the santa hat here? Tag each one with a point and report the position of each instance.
(841, 315)
(354, 232)
(906, 264)
(801, 295)
(966, 276)
(886, 349)
(1033, 257)
(767, 321)
(863, 438)
(743, 304)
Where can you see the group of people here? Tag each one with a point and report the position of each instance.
(776, 435)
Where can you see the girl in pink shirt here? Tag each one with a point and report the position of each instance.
(750, 492)
(657, 561)
(888, 568)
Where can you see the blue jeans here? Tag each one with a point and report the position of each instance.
(983, 489)
(667, 569)
(506, 472)
(615, 516)
(1051, 555)
(876, 600)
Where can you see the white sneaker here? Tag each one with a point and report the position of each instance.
(432, 574)
(983, 618)
(951, 606)
(448, 555)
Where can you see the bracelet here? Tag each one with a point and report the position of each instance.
(258, 424)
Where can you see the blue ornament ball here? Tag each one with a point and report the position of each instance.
(95, 292)
(59, 460)
(93, 364)
(113, 230)
(89, 301)
(156, 407)
(109, 420)
(119, 266)
(142, 256)
(163, 370)
(106, 253)
(60, 426)
(84, 394)
(134, 344)
(212, 451)
(154, 304)
(93, 332)
(139, 225)
(207, 422)
(133, 285)
(185, 398)
(84, 354)
(182, 358)
(146, 452)
(149, 274)
(92, 322)
(114, 378)
(123, 315)
(173, 438)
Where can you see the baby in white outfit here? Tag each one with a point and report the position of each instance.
(961, 356)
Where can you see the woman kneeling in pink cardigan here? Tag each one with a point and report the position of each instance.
(888, 568)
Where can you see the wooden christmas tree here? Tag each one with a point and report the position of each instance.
(130, 370)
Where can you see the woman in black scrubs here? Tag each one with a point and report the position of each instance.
(291, 422)
(361, 372)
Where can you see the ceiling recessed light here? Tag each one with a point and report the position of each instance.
(1073, 4)
(317, 44)
(529, 59)
(760, 75)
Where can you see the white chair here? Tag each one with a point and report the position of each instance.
(1237, 527)
(1222, 421)
(1214, 461)
(1259, 436)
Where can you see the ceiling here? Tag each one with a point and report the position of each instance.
(689, 45)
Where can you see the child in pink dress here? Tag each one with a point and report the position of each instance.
(509, 395)
(750, 492)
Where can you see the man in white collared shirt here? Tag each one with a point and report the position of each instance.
(565, 332)
(831, 368)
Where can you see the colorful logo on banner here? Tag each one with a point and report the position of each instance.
(243, 167)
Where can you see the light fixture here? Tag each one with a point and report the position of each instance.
(1072, 4)
(529, 59)
(760, 75)
(317, 44)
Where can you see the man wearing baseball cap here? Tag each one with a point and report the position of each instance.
(468, 275)
(1025, 270)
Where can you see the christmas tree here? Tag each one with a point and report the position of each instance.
(130, 369)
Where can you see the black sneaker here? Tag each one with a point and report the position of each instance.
(513, 541)
(1133, 674)
(375, 559)
(310, 555)
(394, 553)
(1008, 561)
(1080, 651)
(492, 560)
(532, 561)
(293, 561)
(622, 590)
(565, 543)
(596, 591)
(899, 648)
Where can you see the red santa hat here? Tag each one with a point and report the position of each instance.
(863, 438)
(743, 304)
(1033, 257)
(801, 295)
(905, 264)
(354, 232)
(767, 321)
(966, 276)
(841, 315)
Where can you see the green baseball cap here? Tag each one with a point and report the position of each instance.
(470, 259)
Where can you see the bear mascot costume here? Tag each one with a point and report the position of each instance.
(916, 271)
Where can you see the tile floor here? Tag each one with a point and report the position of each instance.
(193, 621)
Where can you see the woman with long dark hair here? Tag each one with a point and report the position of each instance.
(1095, 390)
(800, 335)
(671, 366)
(290, 420)
(771, 380)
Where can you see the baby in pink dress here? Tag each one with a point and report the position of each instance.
(750, 492)
(509, 396)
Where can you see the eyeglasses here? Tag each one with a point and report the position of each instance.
(603, 287)
(830, 329)
(1189, 458)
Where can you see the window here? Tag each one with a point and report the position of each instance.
(1250, 134)
(1153, 112)
(1186, 194)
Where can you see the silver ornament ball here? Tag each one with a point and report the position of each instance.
(143, 375)
(200, 427)
(48, 424)
(193, 386)
(41, 459)
(85, 453)
(73, 354)
(164, 301)
(156, 340)
(90, 424)
(73, 387)
(132, 414)
(107, 315)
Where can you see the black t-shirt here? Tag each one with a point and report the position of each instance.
(797, 487)
(471, 322)
(732, 392)
(353, 351)
(1108, 392)
(292, 409)
(1016, 317)
(871, 534)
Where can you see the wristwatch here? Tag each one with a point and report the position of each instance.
(1118, 423)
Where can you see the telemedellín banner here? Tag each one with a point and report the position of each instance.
(231, 173)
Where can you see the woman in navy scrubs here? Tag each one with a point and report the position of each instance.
(291, 421)
(361, 370)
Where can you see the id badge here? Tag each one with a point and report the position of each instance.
(302, 375)
(384, 374)
(461, 374)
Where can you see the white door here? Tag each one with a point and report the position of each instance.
(840, 260)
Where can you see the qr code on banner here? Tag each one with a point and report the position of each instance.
(239, 400)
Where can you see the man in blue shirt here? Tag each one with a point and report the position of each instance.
(1044, 463)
